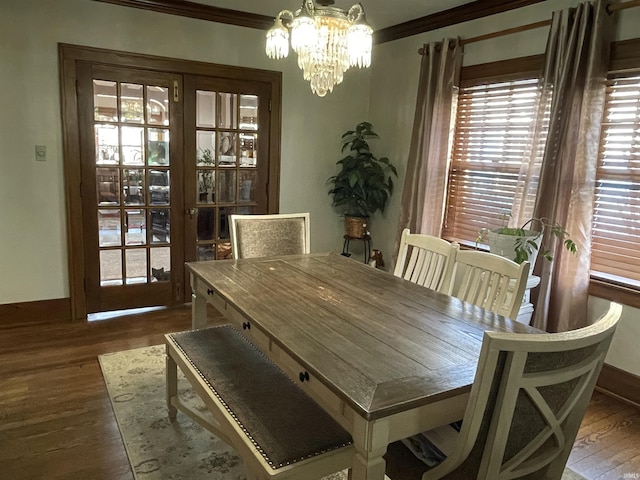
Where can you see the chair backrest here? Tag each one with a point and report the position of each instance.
(489, 281)
(267, 235)
(425, 260)
(527, 401)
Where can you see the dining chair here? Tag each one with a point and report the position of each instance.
(425, 260)
(489, 281)
(266, 235)
(525, 407)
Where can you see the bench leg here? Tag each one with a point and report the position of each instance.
(172, 385)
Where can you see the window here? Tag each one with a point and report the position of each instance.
(494, 125)
(616, 224)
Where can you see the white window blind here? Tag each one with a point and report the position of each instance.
(492, 138)
(616, 223)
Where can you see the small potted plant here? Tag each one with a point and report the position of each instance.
(364, 184)
(522, 243)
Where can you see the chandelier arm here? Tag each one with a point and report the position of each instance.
(286, 17)
(355, 12)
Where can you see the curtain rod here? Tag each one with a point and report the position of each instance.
(612, 7)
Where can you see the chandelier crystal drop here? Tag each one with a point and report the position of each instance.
(327, 40)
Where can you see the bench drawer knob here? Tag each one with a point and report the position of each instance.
(304, 376)
(209, 291)
(246, 325)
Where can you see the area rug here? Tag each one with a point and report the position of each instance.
(159, 449)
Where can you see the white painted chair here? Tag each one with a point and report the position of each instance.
(489, 281)
(426, 260)
(526, 404)
(268, 235)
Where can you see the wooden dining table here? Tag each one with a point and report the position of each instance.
(385, 357)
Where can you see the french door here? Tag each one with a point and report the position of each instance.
(164, 159)
(131, 127)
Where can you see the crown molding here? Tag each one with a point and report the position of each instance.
(445, 18)
(198, 10)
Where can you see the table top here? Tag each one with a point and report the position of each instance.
(381, 343)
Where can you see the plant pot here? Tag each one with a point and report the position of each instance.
(357, 227)
(504, 245)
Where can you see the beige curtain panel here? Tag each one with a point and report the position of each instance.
(574, 78)
(425, 182)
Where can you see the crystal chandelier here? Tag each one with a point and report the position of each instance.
(327, 40)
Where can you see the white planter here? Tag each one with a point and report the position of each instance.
(504, 245)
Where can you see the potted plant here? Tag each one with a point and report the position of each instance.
(364, 184)
(522, 243)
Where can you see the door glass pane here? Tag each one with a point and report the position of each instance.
(132, 145)
(135, 227)
(131, 102)
(226, 186)
(157, 105)
(248, 149)
(160, 225)
(158, 146)
(110, 267)
(247, 186)
(249, 112)
(106, 141)
(133, 186)
(108, 186)
(105, 101)
(205, 252)
(161, 264)
(228, 110)
(205, 109)
(223, 251)
(136, 261)
(223, 222)
(227, 149)
(159, 187)
(205, 224)
(206, 186)
(109, 233)
(205, 147)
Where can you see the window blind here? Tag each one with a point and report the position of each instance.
(493, 136)
(616, 223)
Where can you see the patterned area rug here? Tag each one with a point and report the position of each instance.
(159, 449)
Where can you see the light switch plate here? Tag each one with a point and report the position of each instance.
(41, 153)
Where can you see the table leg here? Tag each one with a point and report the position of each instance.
(172, 384)
(198, 311)
(370, 440)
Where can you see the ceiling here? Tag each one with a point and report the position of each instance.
(380, 13)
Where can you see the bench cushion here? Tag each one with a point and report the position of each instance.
(279, 418)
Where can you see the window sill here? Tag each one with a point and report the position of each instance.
(614, 292)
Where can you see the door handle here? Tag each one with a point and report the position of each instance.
(192, 211)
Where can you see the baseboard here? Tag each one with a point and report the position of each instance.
(40, 311)
(620, 384)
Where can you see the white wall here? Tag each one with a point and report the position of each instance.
(33, 244)
(394, 80)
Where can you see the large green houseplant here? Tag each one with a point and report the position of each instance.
(521, 243)
(364, 184)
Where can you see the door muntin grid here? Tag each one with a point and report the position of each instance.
(226, 159)
(132, 172)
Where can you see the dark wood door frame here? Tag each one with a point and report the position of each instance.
(70, 58)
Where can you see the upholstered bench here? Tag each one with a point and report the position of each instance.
(278, 430)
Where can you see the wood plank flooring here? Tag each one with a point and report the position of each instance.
(56, 420)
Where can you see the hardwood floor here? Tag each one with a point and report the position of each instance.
(56, 420)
